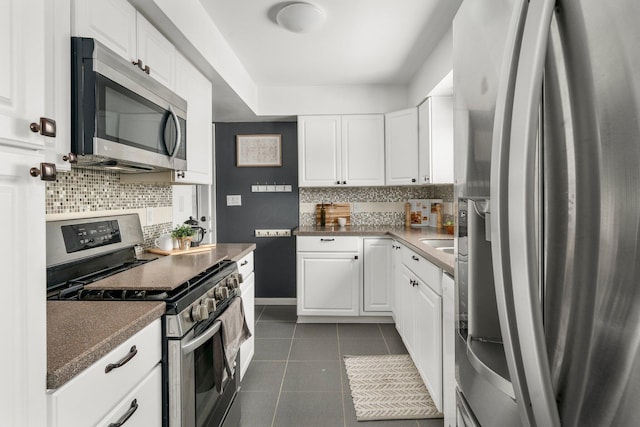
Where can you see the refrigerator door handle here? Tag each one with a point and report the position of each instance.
(522, 215)
(499, 215)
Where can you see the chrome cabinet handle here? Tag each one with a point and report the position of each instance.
(46, 172)
(138, 63)
(327, 240)
(180, 174)
(132, 409)
(46, 127)
(111, 366)
(415, 258)
(245, 262)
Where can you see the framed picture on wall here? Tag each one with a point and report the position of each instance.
(258, 151)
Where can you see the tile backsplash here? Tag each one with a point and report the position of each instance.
(86, 190)
(373, 205)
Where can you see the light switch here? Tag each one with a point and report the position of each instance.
(234, 200)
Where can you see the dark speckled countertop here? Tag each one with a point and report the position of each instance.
(408, 236)
(81, 332)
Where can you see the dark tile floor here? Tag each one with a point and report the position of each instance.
(297, 377)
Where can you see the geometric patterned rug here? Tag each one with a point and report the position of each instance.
(388, 387)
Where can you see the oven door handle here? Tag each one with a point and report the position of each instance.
(198, 341)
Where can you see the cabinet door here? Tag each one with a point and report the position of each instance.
(247, 349)
(22, 72)
(112, 22)
(408, 310)
(22, 262)
(435, 125)
(377, 275)
(448, 351)
(58, 83)
(146, 397)
(328, 284)
(396, 271)
(319, 151)
(401, 138)
(156, 52)
(196, 90)
(363, 150)
(428, 340)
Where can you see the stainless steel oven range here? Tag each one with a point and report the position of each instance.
(95, 259)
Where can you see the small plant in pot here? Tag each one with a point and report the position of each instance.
(183, 234)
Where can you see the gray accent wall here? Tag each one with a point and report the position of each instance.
(275, 257)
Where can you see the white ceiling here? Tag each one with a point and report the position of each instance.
(370, 42)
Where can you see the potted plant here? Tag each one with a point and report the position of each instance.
(183, 234)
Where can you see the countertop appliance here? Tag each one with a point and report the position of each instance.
(86, 258)
(547, 148)
(122, 119)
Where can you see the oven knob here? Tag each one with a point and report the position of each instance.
(199, 312)
(232, 282)
(210, 304)
(222, 292)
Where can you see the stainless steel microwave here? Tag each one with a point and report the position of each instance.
(121, 118)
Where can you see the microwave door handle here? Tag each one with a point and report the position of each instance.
(198, 341)
(178, 133)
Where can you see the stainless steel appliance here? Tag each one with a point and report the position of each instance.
(547, 148)
(122, 119)
(94, 259)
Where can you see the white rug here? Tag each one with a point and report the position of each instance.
(388, 387)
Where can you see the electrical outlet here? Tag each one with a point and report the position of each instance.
(234, 200)
(149, 216)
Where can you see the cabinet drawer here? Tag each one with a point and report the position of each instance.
(148, 402)
(92, 394)
(425, 270)
(245, 265)
(327, 244)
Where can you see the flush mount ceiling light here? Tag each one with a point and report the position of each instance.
(300, 17)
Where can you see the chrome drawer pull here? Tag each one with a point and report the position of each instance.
(133, 408)
(123, 361)
(245, 262)
(327, 240)
(415, 258)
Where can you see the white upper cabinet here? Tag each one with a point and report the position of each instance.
(117, 25)
(401, 138)
(196, 90)
(22, 75)
(156, 52)
(113, 22)
(58, 82)
(435, 133)
(363, 150)
(341, 150)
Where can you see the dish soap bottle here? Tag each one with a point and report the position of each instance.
(323, 215)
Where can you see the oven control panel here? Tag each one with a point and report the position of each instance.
(79, 237)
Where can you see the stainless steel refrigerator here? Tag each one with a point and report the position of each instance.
(547, 151)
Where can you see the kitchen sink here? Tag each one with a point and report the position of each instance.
(444, 245)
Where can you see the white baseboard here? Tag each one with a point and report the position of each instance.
(276, 301)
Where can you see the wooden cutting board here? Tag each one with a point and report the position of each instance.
(333, 212)
(201, 248)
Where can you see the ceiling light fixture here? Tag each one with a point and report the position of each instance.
(300, 17)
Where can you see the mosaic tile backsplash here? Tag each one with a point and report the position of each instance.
(87, 190)
(387, 198)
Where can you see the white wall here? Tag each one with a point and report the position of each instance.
(361, 99)
(434, 69)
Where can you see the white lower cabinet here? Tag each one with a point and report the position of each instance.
(247, 292)
(377, 275)
(95, 395)
(418, 314)
(328, 276)
(448, 351)
(142, 407)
